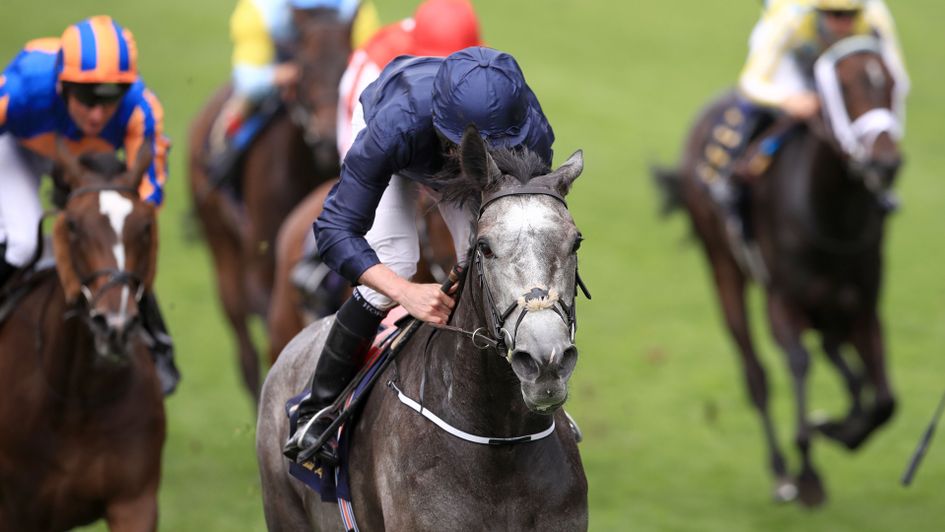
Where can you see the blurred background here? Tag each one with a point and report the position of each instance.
(671, 442)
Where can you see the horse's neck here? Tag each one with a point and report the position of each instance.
(842, 204)
(473, 389)
(816, 181)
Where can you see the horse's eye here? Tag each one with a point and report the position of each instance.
(577, 244)
(72, 227)
(485, 249)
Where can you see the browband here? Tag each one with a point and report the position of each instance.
(520, 191)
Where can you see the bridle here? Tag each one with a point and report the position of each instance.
(114, 276)
(496, 335)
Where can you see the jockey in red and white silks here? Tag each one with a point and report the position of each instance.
(437, 29)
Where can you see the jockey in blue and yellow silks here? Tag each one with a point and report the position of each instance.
(83, 87)
(262, 32)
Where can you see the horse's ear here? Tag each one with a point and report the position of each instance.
(562, 178)
(67, 275)
(141, 164)
(474, 159)
(69, 163)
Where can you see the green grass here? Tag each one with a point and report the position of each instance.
(671, 442)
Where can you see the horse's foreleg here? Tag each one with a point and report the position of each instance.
(787, 326)
(868, 340)
(839, 430)
(230, 276)
(731, 289)
(138, 514)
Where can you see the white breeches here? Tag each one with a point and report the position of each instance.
(394, 234)
(20, 208)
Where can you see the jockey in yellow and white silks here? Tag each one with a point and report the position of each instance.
(778, 77)
(261, 31)
(790, 37)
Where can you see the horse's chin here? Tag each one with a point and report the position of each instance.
(545, 398)
(111, 353)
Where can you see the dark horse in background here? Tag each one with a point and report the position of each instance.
(82, 413)
(295, 153)
(405, 472)
(819, 221)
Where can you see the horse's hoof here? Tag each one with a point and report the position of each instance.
(785, 491)
(811, 492)
(843, 433)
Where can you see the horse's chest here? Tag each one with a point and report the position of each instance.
(437, 482)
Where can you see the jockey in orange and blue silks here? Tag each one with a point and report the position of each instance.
(82, 87)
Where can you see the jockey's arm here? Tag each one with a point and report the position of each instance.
(254, 52)
(377, 153)
(146, 124)
(365, 25)
(757, 81)
(879, 18)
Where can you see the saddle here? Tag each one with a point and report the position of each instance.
(223, 168)
(23, 281)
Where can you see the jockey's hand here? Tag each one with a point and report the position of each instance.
(802, 106)
(426, 302)
(286, 78)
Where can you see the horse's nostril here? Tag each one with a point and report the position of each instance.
(525, 365)
(568, 361)
(99, 321)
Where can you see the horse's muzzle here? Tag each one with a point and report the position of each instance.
(113, 333)
(544, 379)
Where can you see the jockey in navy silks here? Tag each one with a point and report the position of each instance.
(413, 115)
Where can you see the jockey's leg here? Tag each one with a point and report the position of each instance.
(20, 209)
(394, 238)
(162, 346)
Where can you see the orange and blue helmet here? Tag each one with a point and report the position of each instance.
(98, 50)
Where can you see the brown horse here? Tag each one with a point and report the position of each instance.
(292, 155)
(289, 312)
(82, 416)
(818, 218)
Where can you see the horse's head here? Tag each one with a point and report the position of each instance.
(525, 263)
(863, 108)
(105, 244)
(321, 52)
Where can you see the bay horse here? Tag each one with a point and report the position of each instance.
(291, 156)
(82, 421)
(818, 217)
(290, 312)
(405, 472)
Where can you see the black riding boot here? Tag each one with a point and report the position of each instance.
(348, 341)
(161, 345)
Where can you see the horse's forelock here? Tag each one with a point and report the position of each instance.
(516, 167)
(106, 165)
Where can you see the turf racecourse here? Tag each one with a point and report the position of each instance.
(671, 442)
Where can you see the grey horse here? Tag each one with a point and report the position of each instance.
(501, 371)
